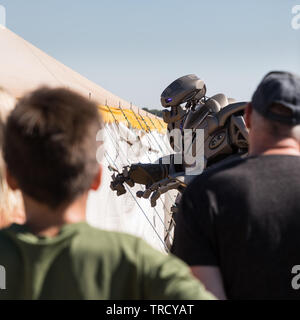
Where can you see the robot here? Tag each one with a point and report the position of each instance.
(187, 107)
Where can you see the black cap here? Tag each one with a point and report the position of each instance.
(281, 88)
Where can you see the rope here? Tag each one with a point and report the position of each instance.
(145, 215)
(148, 156)
(129, 124)
(111, 113)
(157, 129)
(126, 160)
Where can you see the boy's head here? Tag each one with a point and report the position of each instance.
(50, 145)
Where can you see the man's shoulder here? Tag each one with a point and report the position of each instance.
(224, 170)
(243, 166)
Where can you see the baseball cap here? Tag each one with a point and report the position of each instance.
(281, 88)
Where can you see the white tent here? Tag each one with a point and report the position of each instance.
(23, 67)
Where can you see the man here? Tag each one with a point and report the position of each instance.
(50, 150)
(239, 225)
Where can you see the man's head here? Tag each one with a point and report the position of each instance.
(273, 116)
(50, 146)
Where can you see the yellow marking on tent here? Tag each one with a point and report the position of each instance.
(112, 114)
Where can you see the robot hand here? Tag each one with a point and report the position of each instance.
(139, 173)
(161, 187)
(118, 181)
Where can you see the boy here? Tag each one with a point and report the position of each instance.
(50, 150)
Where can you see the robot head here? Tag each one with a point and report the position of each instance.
(185, 89)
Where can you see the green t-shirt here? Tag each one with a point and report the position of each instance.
(87, 263)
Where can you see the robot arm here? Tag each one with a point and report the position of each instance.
(145, 174)
(172, 182)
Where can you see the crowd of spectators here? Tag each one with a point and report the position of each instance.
(237, 232)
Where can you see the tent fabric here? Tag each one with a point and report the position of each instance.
(132, 119)
(131, 135)
(127, 213)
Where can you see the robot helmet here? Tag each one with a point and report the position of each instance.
(185, 89)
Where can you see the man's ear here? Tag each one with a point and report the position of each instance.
(248, 115)
(11, 181)
(97, 180)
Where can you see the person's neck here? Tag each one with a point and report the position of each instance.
(45, 221)
(283, 147)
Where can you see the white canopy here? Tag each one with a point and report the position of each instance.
(24, 67)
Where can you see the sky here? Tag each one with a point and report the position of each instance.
(136, 48)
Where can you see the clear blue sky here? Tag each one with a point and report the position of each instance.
(135, 48)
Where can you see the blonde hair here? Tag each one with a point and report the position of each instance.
(11, 205)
